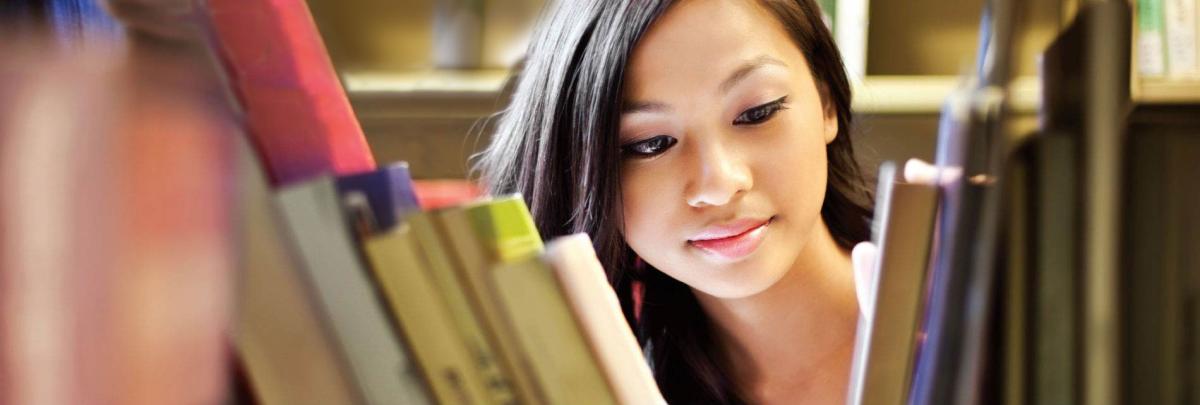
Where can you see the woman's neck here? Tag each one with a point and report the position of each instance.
(795, 338)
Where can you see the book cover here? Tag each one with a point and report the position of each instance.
(424, 318)
(365, 334)
(480, 236)
(548, 335)
(388, 192)
(595, 306)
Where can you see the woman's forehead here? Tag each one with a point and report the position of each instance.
(702, 43)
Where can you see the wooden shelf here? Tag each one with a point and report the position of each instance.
(925, 94)
(875, 95)
(446, 82)
(1167, 91)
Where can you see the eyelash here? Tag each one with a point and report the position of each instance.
(659, 144)
(761, 113)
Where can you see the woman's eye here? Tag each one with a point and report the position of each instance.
(649, 147)
(761, 113)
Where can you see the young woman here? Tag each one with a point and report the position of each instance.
(704, 145)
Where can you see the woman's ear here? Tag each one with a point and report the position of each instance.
(831, 123)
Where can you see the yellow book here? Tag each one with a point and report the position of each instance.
(481, 235)
(469, 326)
(549, 336)
(423, 316)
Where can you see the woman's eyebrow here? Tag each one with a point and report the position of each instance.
(746, 69)
(641, 106)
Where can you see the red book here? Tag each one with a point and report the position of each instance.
(295, 109)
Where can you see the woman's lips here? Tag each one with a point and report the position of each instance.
(734, 241)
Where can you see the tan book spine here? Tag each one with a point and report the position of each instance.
(474, 264)
(469, 325)
(598, 312)
(547, 332)
(424, 318)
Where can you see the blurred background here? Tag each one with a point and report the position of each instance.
(425, 103)
(142, 142)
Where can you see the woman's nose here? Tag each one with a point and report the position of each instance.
(719, 174)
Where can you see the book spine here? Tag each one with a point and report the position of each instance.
(473, 267)
(596, 307)
(424, 319)
(1152, 57)
(1180, 18)
(850, 32)
(548, 335)
(379, 360)
(469, 326)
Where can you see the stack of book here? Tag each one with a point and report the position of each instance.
(353, 292)
(356, 295)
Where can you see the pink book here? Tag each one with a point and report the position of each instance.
(295, 110)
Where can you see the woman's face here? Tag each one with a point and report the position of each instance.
(723, 133)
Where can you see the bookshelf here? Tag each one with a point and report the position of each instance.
(411, 111)
(915, 52)
(1158, 90)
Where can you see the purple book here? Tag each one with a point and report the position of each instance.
(388, 192)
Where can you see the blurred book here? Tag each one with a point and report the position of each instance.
(548, 335)
(425, 319)
(388, 193)
(850, 22)
(598, 311)
(443, 267)
(290, 355)
(378, 358)
(293, 104)
(886, 340)
(480, 236)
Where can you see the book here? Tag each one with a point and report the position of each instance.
(1161, 280)
(850, 32)
(480, 236)
(388, 192)
(598, 312)
(1085, 87)
(1181, 44)
(294, 107)
(885, 342)
(546, 331)
(425, 319)
(377, 357)
(1055, 270)
(1014, 265)
(468, 324)
(1151, 44)
(281, 337)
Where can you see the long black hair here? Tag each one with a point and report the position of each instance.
(557, 144)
